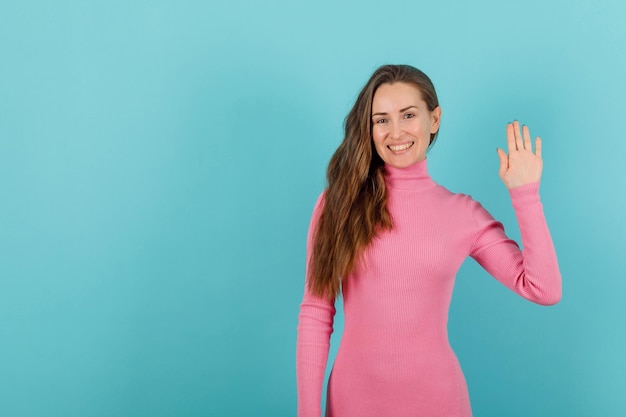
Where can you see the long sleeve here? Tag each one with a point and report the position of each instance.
(315, 325)
(532, 272)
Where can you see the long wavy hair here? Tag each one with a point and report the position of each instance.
(355, 202)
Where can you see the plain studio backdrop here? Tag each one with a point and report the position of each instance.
(159, 161)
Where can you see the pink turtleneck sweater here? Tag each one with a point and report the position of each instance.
(394, 359)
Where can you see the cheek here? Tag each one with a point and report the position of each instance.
(378, 145)
(378, 136)
(378, 142)
(418, 130)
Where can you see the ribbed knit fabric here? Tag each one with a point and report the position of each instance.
(394, 359)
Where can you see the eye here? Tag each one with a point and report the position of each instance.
(380, 121)
(409, 115)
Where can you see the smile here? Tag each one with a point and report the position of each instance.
(398, 148)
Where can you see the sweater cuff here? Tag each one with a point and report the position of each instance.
(527, 193)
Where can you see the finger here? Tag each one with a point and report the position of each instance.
(527, 143)
(510, 137)
(519, 144)
(504, 162)
(538, 146)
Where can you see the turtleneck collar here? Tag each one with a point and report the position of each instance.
(412, 178)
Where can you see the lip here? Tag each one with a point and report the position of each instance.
(400, 147)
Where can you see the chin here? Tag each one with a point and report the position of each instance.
(403, 163)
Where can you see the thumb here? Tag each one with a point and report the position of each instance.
(504, 162)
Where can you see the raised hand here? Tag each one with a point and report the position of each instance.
(521, 166)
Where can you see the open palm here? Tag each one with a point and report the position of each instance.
(521, 166)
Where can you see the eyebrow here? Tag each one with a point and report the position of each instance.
(401, 110)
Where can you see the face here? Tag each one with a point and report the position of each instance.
(402, 124)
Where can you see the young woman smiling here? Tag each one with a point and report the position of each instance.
(391, 240)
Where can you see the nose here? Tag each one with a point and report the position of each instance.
(396, 130)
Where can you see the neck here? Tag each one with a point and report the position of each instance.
(414, 177)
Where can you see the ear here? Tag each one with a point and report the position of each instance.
(435, 116)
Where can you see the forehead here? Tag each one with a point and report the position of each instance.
(389, 97)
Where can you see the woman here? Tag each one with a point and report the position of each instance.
(391, 240)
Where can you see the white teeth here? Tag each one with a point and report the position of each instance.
(401, 147)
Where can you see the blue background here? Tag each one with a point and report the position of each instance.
(159, 161)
